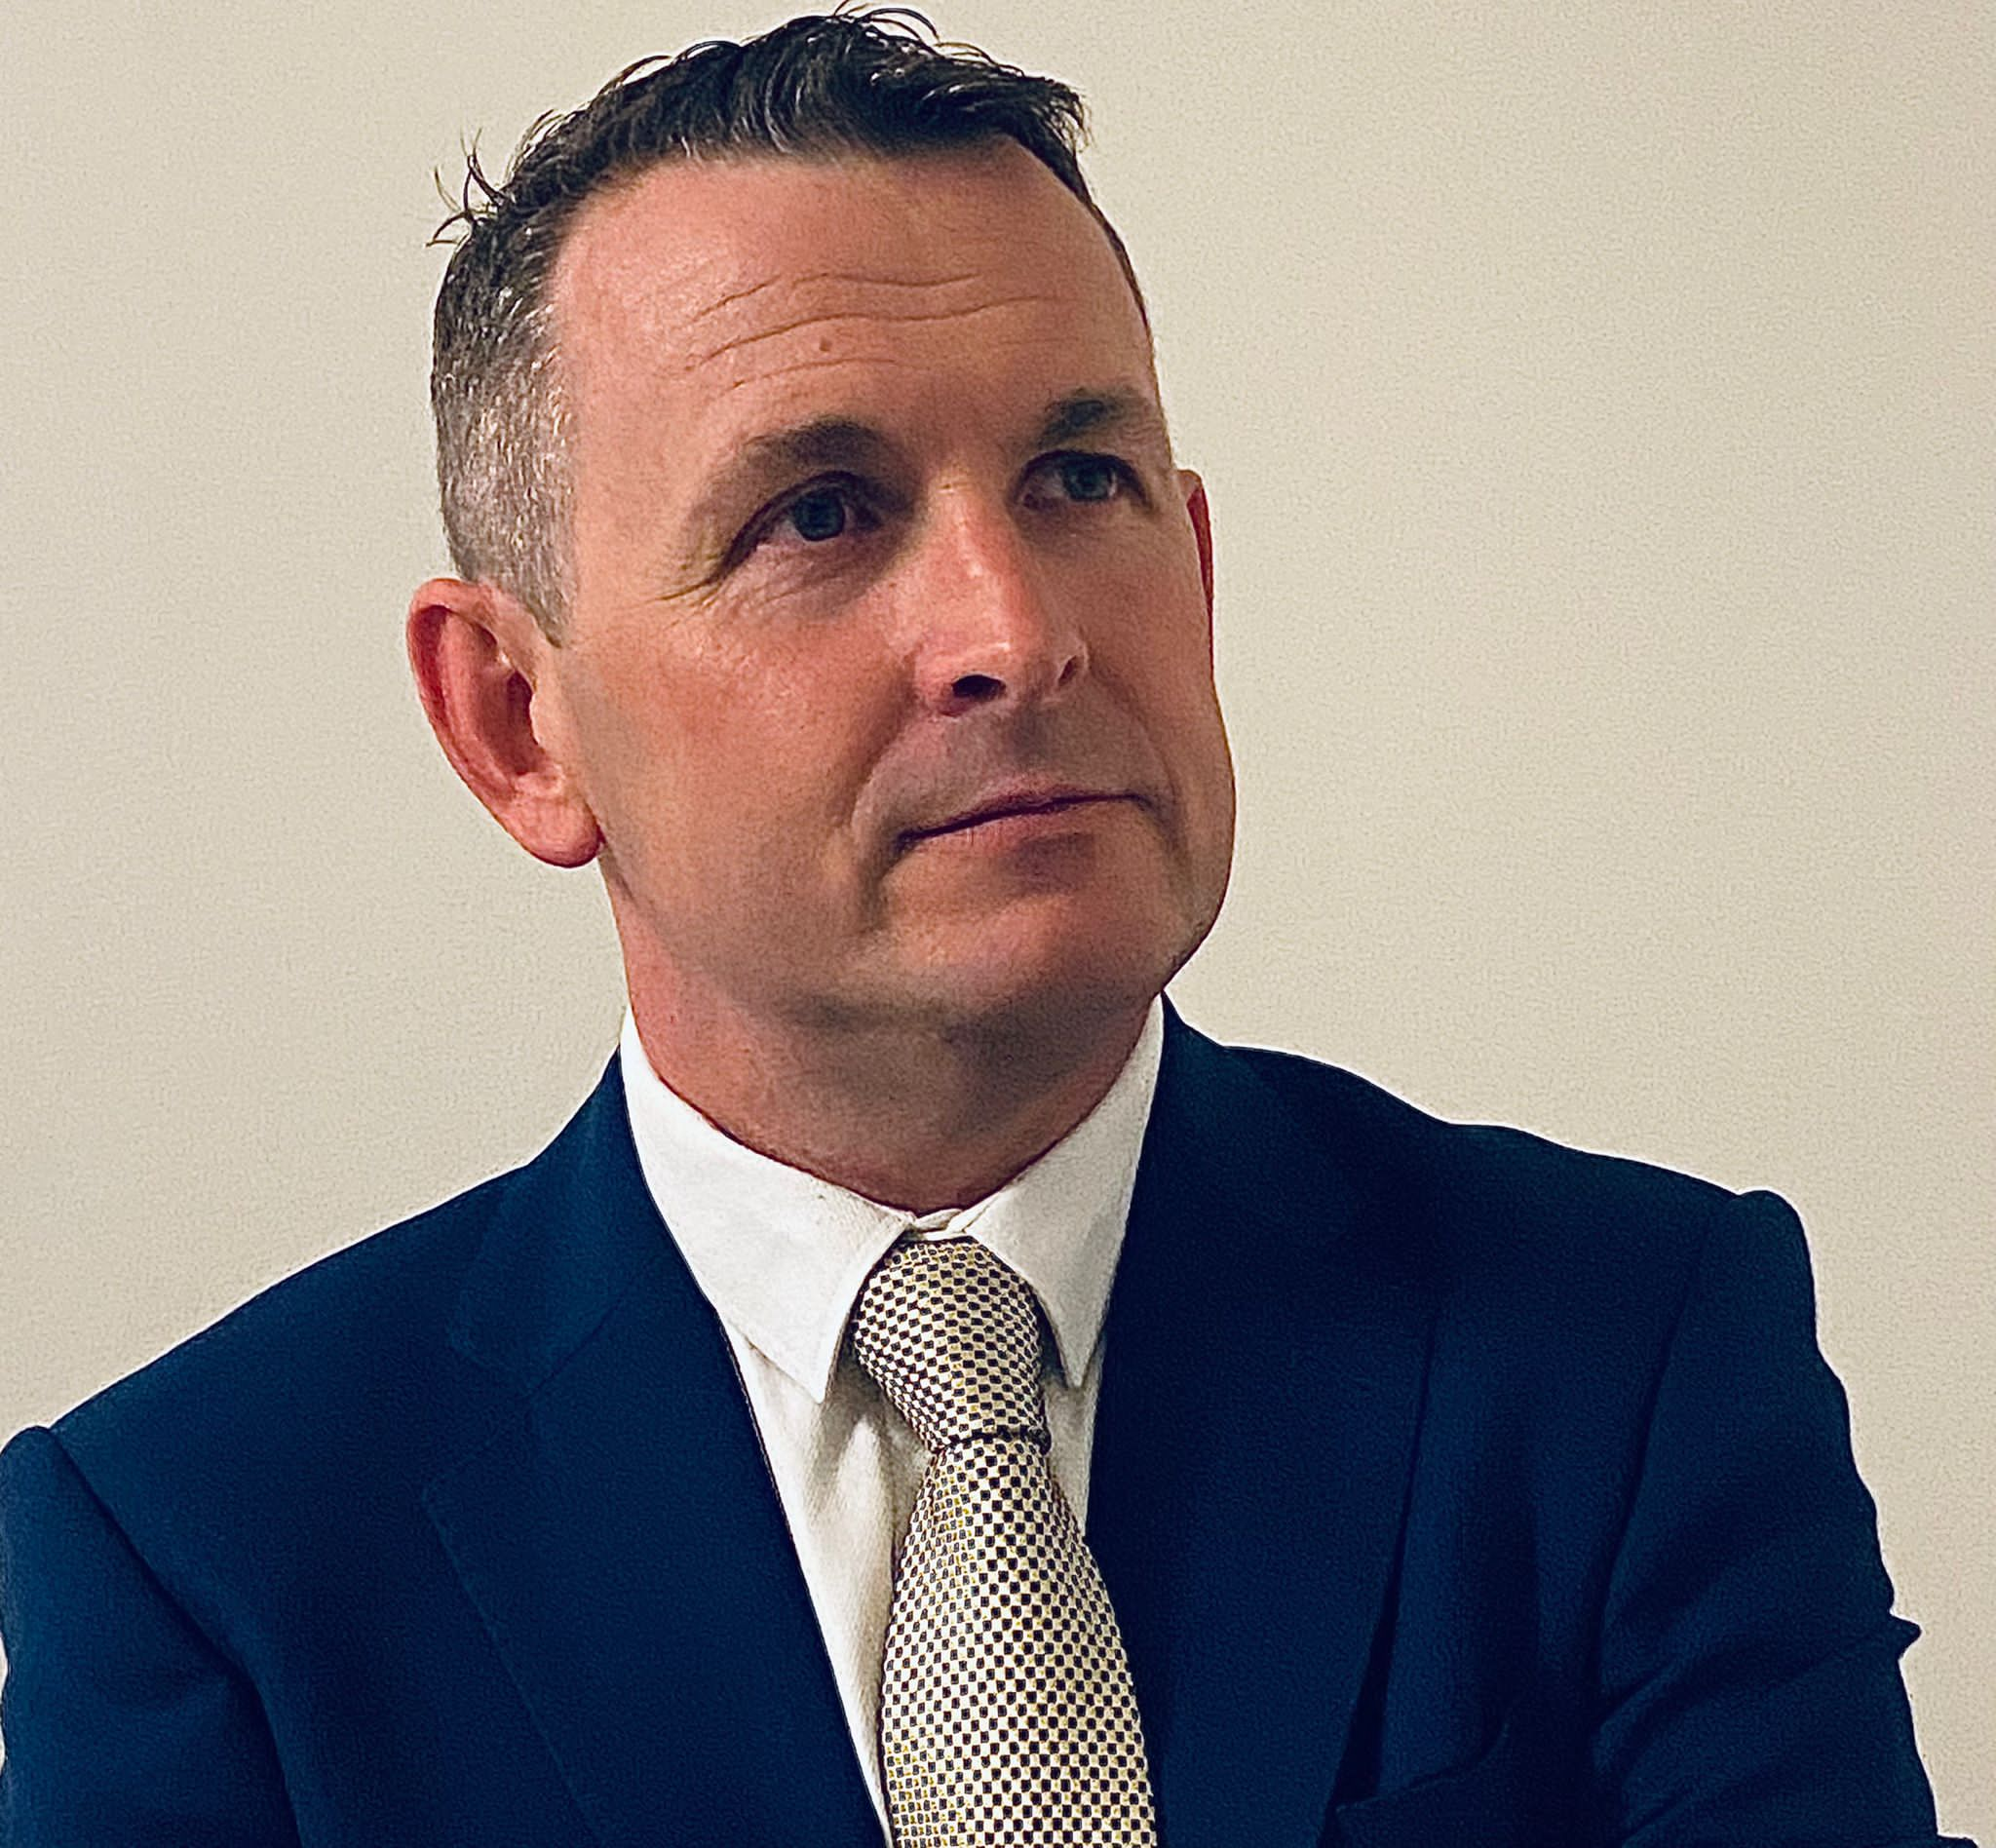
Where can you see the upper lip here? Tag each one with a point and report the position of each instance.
(1020, 798)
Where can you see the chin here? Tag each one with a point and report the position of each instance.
(1038, 974)
(1056, 945)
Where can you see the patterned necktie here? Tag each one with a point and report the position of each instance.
(1006, 1713)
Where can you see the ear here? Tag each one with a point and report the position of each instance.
(478, 656)
(1202, 529)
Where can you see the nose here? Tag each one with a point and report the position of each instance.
(991, 630)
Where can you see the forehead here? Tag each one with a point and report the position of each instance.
(722, 291)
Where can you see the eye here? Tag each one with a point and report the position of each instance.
(1086, 479)
(826, 521)
(820, 513)
(1090, 478)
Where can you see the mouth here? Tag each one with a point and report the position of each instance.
(1021, 806)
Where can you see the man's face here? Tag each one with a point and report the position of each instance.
(876, 532)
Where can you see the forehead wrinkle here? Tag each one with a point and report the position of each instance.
(863, 313)
(826, 276)
(817, 365)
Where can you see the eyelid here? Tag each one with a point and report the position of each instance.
(1127, 471)
(762, 523)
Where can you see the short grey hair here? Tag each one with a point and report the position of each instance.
(872, 82)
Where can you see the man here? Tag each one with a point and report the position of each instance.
(928, 1392)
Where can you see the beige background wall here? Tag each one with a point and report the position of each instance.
(1596, 406)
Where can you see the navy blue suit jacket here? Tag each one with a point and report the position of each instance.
(1451, 1489)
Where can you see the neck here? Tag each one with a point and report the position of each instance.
(914, 1116)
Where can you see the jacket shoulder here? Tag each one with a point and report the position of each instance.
(1471, 1201)
(350, 1356)
(1355, 1110)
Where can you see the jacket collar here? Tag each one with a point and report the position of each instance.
(571, 1232)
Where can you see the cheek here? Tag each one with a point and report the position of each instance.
(1161, 665)
(1156, 643)
(729, 767)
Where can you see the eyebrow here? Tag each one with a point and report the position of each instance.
(824, 442)
(1114, 412)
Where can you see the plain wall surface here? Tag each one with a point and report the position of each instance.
(1595, 403)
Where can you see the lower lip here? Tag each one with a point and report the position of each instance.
(1019, 826)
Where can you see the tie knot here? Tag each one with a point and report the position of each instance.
(952, 1337)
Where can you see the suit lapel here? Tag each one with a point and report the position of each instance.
(1265, 1359)
(620, 1536)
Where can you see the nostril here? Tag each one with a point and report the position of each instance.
(977, 686)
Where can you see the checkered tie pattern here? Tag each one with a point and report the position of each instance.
(1006, 1712)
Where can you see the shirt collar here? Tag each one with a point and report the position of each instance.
(781, 1255)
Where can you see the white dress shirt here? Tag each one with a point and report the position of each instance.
(780, 1255)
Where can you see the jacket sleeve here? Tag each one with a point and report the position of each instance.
(123, 1724)
(1748, 1669)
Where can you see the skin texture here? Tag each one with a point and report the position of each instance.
(970, 577)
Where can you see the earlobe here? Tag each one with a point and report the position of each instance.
(477, 654)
